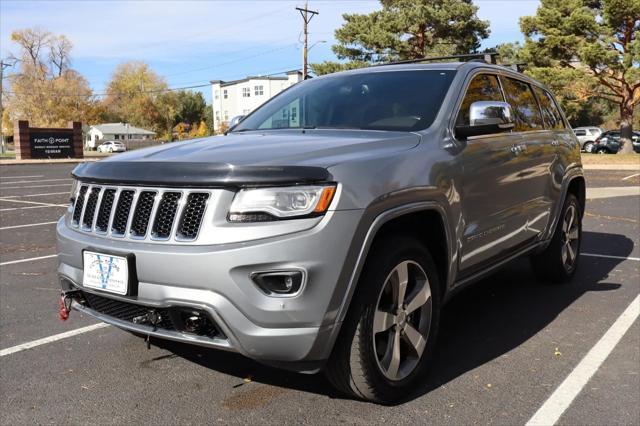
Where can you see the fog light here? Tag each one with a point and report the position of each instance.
(281, 283)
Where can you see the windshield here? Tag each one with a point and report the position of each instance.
(396, 100)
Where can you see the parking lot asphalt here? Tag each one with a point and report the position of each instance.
(506, 344)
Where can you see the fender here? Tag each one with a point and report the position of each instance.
(352, 283)
(570, 175)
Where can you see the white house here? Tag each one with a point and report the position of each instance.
(115, 131)
(240, 97)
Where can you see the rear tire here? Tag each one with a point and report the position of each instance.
(588, 147)
(559, 261)
(387, 339)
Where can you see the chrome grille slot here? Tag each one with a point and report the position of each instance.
(104, 212)
(90, 208)
(142, 213)
(77, 210)
(166, 215)
(121, 215)
(192, 215)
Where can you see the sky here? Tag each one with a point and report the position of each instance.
(193, 42)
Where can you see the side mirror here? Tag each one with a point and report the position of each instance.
(487, 117)
(235, 121)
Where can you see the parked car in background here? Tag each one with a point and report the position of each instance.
(112, 146)
(609, 142)
(587, 136)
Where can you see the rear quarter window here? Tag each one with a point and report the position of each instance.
(550, 113)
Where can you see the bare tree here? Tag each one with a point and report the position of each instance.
(32, 42)
(59, 54)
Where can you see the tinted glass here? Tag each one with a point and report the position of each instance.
(483, 87)
(577, 132)
(524, 105)
(550, 112)
(394, 100)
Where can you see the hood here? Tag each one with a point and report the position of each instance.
(272, 157)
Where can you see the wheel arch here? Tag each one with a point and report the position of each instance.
(402, 219)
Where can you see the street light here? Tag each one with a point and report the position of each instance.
(317, 42)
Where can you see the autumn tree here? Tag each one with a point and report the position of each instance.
(406, 29)
(191, 107)
(592, 46)
(44, 89)
(134, 96)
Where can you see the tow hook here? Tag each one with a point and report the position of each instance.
(66, 298)
(151, 317)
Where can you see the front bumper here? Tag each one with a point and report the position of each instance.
(216, 279)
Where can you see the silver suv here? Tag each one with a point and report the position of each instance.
(327, 230)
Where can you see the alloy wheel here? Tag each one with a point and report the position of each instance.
(570, 237)
(402, 320)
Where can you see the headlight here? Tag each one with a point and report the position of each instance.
(267, 204)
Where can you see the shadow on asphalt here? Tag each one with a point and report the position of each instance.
(480, 324)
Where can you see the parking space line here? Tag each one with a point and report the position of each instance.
(607, 256)
(31, 202)
(38, 186)
(549, 413)
(13, 262)
(20, 177)
(36, 195)
(50, 339)
(632, 176)
(10, 209)
(27, 225)
(35, 181)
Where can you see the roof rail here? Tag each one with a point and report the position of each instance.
(488, 57)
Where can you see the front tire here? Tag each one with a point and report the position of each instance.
(390, 331)
(559, 261)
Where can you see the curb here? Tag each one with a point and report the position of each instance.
(631, 167)
(52, 161)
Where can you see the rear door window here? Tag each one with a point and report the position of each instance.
(483, 87)
(524, 105)
(577, 132)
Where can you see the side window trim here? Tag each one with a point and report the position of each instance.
(565, 124)
(532, 87)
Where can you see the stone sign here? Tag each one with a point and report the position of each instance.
(43, 143)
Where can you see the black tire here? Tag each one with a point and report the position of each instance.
(588, 147)
(354, 366)
(602, 151)
(551, 265)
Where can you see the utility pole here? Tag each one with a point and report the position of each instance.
(3, 65)
(307, 16)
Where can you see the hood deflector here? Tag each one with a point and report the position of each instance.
(190, 174)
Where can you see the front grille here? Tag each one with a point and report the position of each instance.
(151, 214)
(166, 215)
(192, 216)
(77, 210)
(171, 318)
(141, 215)
(104, 213)
(125, 311)
(121, 216)
(90, 209)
